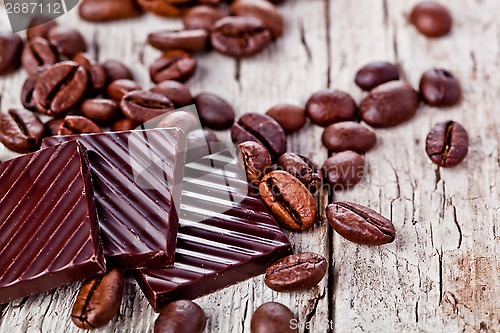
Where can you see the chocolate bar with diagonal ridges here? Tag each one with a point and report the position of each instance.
(225, 235)
(49, 234)
(137, 177)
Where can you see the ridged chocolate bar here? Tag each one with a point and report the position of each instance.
(225, 235)
(137, 177)
(49, 234)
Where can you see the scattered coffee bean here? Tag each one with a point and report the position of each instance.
(304, 169)
(296, 272)
(389, 104)
(21, 131)
(77, 125)
(439, 87)
(272, 317)
(102, 111)
(239, 36)
(125, 124)
(348, 135)
(117, 89)
(181, 317)
(375, 73)
(256, 159)
(202, 17)
(343, 170)
(108, 10)
(291, 118)
(360, 224)
(214, 112)
(52, 126)
(27, 93)
(260, 128)
(330, 106)
(447, 143)
(173, 65)
(39, 26)
(11, 47)
(38, 52)
(289, 200)
(184, 120)
(164, 8)
(177, 92)
(142, 106)
(188, 40)
(98, 300)
(97, 77)
(263, 10)
(431, 19)
(67, 41)
(116, 70)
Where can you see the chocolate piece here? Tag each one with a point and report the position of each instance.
(49, 235)
(135, 175)
(225, 235)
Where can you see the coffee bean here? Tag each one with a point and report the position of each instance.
(201, 142)
(117, 89)
(202, 17)
(11, 47)
(173, 65)
(291, 118)
(389, 104)
(264, 11)
(67, 41)
(108, 10)
(375, 73)
(348, 135)
(188, 40)
(256, 159)
(447, 144)
(102, 111)
(125, 124)
(21, 131)
(343, 170)
(52, 126)
(142, 106)
(177, 92)
(59, 88)
(178, 118)
(39, 26)
(116, 70)
(304, 169)
(330, 106)
(214, 112)
(360, 224)
(431, 19)
(296, 272)
(439, 87)
(77, 125)
(159, 7)
(239, 37)
(181, 317)
(272, 317)
(260, 128)
(98, 300)
(289, 200)
(97, 77)
(27, 93)
(38, 52)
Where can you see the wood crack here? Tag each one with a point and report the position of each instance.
(303, 41)
(311, 313)
(328, 43)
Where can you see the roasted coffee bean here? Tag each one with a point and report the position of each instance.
(27, 93)
(11, 47)
(39, 26)
(439, 87)
(214, 112)
(264, 11)
(177, 92)
(116, 70)
(348, 135)
(272, 317)
(360, 224)
(431, 19)
(201, 142)
(181, 317)
(240, 36)
(97, 77)
(108, 10)
(330, 106)
(117, 89)
(289, 200)
(343, 170)
(447, 143)
(125, 124)
(38, 52)
(67, 41)
(304, 169)
(291, 118)
(52, 126)
(173, 65)
(296, 272)
(142, 106)
(98, 300)
(188, 40)
(389, 104)
(260, 128)
(375, 73)
(257, 160)
(59, 88)
(21, 131)
(202, 17)
(77, 125)
(184, 120)
(102, 111)
(159, 7)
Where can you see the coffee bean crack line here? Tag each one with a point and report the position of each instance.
(447, 142)
(279, 198)
(83, 317)
(278, 269)
(381, 227)
(22, 127)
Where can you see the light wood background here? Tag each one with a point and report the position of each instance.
(442, 274)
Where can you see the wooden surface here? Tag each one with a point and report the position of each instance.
(442, 274)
